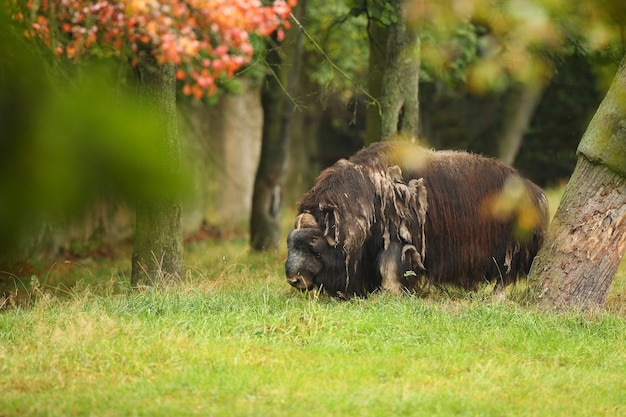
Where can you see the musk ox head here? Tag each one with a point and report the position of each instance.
(307, 248)
(315, 259)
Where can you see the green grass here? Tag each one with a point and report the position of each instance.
(233, 340)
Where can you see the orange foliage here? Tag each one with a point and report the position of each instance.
(206, 39)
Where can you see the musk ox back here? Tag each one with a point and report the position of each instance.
(395, 212)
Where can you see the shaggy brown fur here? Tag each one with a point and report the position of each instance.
(395, 212)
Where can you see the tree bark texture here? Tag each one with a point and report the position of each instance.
(587, 238)
(393, 78)
(400, 82)
(378, 35)
(158, 248)
(278, 109)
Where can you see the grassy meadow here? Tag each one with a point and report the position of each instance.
(232, 339)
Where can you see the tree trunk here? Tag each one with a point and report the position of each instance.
(396, 82)
(400, 83)
(520, 106)
(587, 238)
(278, 108)
(378, 35)
(158, 250)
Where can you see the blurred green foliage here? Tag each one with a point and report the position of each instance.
(462, 49)
(343, 36)
(548, 152)
(377, 10)
(68, 137)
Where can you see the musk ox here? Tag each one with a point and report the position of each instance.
(395, 213)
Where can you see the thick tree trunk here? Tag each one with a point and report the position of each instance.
(587, 238)
(278, 108)
(400, 83)
(158, 250)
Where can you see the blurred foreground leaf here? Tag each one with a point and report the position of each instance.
(65, 142)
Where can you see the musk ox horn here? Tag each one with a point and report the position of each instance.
(305, 221)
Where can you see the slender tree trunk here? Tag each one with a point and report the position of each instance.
(519, 109)
(587, 238)
(158, 250)
(278, 108)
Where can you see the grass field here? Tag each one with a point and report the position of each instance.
(233, 340)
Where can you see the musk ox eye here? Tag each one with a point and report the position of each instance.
(313, 249)
(313, 252)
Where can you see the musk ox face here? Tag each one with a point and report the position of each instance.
(309, 253)
(306, 253)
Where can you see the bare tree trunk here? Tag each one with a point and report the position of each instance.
(158, 250)
(278, 108)
(396, 81)
(378, 35)
(400, 83)
(587, 238)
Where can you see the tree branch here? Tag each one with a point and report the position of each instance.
(335, 66)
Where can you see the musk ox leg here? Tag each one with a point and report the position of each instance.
(390, 268)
